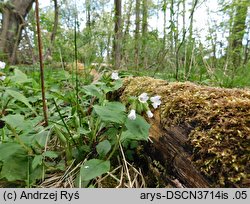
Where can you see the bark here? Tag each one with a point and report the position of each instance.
(126, 35)
(13, 22)
(88, 13)
(194, 132)
(144, 32)
(164, 8)
(118, 33)
(238, 30)
(54, 31)
(137, 32)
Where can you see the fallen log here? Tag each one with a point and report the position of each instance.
(200, 134)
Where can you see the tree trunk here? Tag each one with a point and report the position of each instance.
(164, 8)
(137, 31)
(126, 36)
(54, 31)
(238, 31)
(118, 33)
(88, 13)
(144, 33)
(13, 22)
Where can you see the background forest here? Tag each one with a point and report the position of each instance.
(205, 41)
(82, 136)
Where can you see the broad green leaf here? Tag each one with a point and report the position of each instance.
(16, 168)
(117, 84)
(7, 150)
(93, 168)
(15, 161)
(50, 154)
(137, 129)
(92, 90)
(34, 175)
(18, 121)
(103, 148)
(20, 97)
(111, 112)
(37, 161)
(19, 77)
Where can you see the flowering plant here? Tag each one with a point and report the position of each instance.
(2, 66)
(140, 104)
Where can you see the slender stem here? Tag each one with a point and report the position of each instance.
(76, 65)
(65, 125)
(41, 64)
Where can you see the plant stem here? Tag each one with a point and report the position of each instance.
(116, 146)
(65, 125)
(41, 64)
(76, 66)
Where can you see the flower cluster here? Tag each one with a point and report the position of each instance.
(144, 106)
(2, 66)
(115, 76)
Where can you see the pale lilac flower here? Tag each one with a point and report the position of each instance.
(143, 97)
(150, 114)
(115, 76)
(156, 101)
(2, 78)
(132, 115)
(2, 65)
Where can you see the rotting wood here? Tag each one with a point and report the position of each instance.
(200, 134)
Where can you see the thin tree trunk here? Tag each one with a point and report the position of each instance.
(118, 33)
(127, 28)
(247, 49)
(238, 31)
(13, 15)
(137, 32)
(88, 13)
(172, 26)
(144, 32)
(164, 8)
(54, 31)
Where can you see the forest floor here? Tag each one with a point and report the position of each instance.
(92, 139)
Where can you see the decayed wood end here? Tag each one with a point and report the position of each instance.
(202, 133)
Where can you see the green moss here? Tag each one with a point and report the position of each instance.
(219, 120)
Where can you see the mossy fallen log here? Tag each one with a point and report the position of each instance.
(201, 134)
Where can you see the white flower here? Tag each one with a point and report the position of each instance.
(2, 78)
(2, 65)
(115, 76)
(143, 97)
(150, 114)
(132, 115)
(156, 101)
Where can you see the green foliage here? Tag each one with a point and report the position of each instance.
(137, 129)
(93, 168)
(89, 137)
(111, 112)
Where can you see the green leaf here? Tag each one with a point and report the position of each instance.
(137, 129)
(111, 112)
(19, 97)
(93, 90)
(15, 161)
(7, 150)
(50, 154)
(18, 121)
(117, 84)
(93, 168)
(103, 148)
(19, 77)
(37, 161)
(16, 168)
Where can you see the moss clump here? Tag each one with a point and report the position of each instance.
(219, 120)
